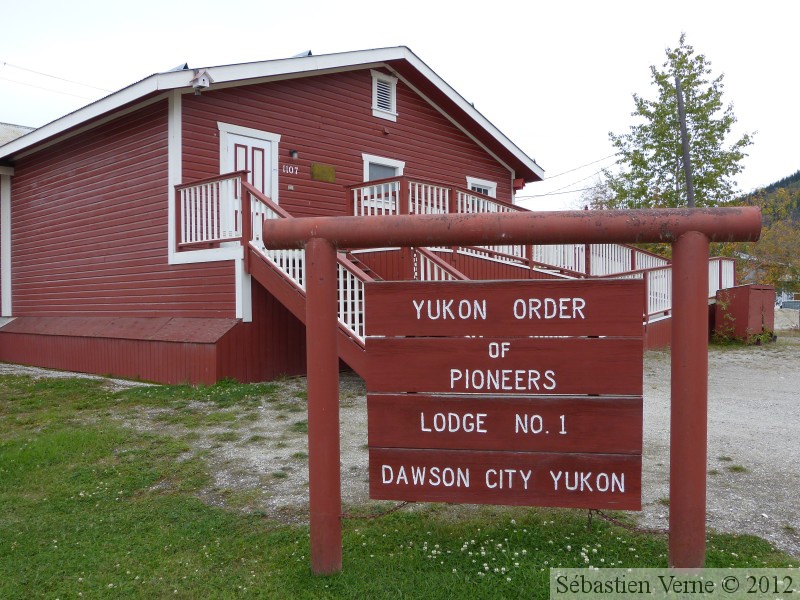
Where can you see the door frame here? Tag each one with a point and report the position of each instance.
(226, 160)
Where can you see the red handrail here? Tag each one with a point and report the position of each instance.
(214, 179)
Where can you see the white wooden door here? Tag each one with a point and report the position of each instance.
(254, 155)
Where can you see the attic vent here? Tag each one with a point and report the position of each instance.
(384, 96)
(383, 92)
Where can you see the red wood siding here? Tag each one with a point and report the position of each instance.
(480, 268)
(273, 344)
(164, 350)
(160, 361)
(658, 334)
(328, 119)
(386, 264)
(90, 229)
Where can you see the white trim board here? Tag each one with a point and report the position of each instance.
(249, 72)
(5, 245)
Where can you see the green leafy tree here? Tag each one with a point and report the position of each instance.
(650, 157)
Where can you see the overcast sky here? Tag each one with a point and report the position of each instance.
(554, 76)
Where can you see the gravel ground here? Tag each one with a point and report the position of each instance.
(753, 456)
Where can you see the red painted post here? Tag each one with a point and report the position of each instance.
(404, 208)
(324, 475)
(689, 421)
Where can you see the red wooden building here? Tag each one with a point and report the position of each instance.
(130, 229)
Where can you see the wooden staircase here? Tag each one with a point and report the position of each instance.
(282, 272)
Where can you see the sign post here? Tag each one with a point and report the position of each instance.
(688, 230)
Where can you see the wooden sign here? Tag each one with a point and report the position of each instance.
(521, 478)
(523, 392)
(609, 307)
(505, 365)
(574, 424)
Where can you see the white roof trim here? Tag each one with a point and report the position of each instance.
(257, 70)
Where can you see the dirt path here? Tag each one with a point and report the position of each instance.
(753, 437)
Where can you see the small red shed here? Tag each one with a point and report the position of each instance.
(745, 311)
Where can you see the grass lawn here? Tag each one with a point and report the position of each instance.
(91, 507)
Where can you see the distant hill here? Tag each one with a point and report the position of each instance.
(785, 192)
(791, 182)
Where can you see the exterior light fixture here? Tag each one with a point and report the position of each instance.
(294, 154)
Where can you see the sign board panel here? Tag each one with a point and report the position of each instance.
(505, 366)
(523, 392)
(610, 481)
(607, 307)
(554, 424)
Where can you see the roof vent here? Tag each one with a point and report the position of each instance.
(302, 54)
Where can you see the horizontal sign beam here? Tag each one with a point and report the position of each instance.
(506, 366)
(609, 481)
(739, 224)
(609, 425)
(458, 308)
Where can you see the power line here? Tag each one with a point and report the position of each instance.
(556, 191)
(45, 88)
(54, 77)
(586, 165)
(552, 193)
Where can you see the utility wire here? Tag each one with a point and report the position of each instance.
(552, 193)
(558, 191)
(45, 88)
(586, 165)
(54, 77)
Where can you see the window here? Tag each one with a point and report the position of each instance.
(482, 186)
(384, 96)
(378, 167)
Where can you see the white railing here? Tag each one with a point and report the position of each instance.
(208, 212)
(477, 203)
(382, 198)
(350, 298)
(564, 256)
(428, 198)
(659, 290)
(608, 259)
(389, 196)
(292, 264)
(645, 260)
(516, 251)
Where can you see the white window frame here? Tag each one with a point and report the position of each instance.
(389, 115)
(382, 160)
(484, 183)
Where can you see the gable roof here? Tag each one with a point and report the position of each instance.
(400, 60)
